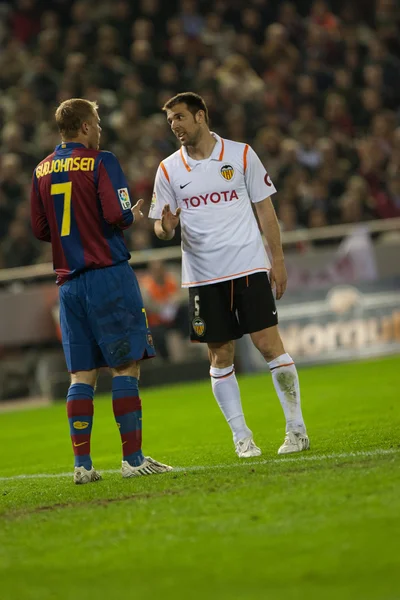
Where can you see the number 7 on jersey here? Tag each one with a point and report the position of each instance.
(64, 189)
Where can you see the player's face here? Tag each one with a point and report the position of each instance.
(94, 131)
(185, 125)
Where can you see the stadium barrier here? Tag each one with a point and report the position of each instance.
(321, 320)
(346, 322)
(331, 232)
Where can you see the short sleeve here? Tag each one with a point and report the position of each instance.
(258, 183)
(162, 194)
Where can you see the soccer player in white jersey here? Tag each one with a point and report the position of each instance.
(210, 185)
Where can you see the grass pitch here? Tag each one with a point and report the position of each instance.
(323, 524)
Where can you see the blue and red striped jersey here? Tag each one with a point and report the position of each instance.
(80, 203)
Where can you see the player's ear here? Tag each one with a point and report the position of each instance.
(200, 116)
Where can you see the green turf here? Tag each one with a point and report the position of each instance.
(292, 527)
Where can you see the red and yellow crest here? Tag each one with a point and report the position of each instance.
(227, 172)
(199, 327)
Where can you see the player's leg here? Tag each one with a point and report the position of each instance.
(286, 383)
(80, 411)
(259, 317)
(213, 321)
(227, 394)
(83, 359)
(127, 407)
(119, 323)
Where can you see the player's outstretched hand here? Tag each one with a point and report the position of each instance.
(169, 220)
(137, 213)
(278, 278)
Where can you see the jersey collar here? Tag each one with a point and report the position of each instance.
(70, 145)
(217, 153)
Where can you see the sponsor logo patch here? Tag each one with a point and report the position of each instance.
(153, 201)
(212, 198)
(150, 339)
(227, 172)
(124, 198)
(199, 327)
(267, 180)
(80, 424)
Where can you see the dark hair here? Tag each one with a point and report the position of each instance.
(193, 101)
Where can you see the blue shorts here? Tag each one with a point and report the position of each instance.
(103, 322)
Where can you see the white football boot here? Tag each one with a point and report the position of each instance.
(82, 475)
(246, 448)
(294, 442)
(148, 467)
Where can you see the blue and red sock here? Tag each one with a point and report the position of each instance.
(127, 408)
(80, 416)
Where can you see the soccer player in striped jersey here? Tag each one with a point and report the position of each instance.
(80, 204)
(209, 185)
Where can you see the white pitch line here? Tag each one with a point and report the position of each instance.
(245, 463)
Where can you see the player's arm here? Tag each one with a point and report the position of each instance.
(163, 206)
(270, 228)
(113, 191)
(39, 222)
(260, 189)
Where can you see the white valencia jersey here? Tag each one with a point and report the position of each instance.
(220, 235)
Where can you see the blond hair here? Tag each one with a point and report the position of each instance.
(72, 113)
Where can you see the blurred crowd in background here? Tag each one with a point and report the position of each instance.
(313, 87)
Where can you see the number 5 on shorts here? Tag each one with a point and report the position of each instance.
(64, 189)
(197, 306)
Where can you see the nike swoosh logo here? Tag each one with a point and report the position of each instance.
(274, 312)
(183, 186)
(81, 444)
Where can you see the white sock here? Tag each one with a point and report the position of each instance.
(286, 382)
(226, 392)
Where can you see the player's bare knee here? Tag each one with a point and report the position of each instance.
(130, 369)
(88, 377)
(270, 353)
(268, 343)
(221, 355)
